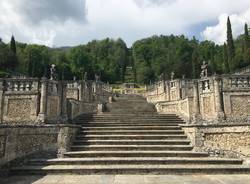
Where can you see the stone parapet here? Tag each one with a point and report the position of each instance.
(222, 140)
(21, 140)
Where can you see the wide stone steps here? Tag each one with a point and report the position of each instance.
(134, 153)
(131, 147)
(131, 137)
(131, 142)
(124, 132)
(84, 125)
(133, 160)
(131, 128)
(132, 169)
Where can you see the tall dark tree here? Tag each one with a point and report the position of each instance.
(246, 38)
(13, 45)
(225, 59)
(230, 41)
(12, 61)
(246, 53)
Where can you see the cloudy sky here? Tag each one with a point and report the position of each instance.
(72, 22)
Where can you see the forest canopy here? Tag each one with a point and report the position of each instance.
(149, 58)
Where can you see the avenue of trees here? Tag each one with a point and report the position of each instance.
(108, 58)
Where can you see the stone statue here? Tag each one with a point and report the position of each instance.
(85, 78)
(74, 78)
(97, 78)
(161, 77)
(204, 69)
(172, 75)
(53, 72)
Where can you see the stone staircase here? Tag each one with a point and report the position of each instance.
(131, 138)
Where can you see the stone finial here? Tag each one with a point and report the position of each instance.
(172, 75)
(204, 70)
(53, 72)
(183, 76)
(74, 78)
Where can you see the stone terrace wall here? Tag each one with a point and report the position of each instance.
(19, 141)
(34, 101)
(216, 109)
(211, 99)
(230, 140)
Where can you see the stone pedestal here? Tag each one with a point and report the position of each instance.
(43, 100)
(196, 116)
(218, 101)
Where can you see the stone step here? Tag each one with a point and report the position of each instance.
(131, 142)
(93, 124)
(133, 161)
(131, 169)
(129, 132)
(83, 154)
(130, 137)
(129, 119)
(133, 128)
(131, 147)
(153, 115)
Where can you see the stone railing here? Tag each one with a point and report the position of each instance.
(210, 99)
(34, 101)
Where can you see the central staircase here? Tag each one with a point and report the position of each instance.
(131, 138)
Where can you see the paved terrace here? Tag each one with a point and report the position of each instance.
(128, 179)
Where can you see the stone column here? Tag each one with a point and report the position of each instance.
(178, 90)
(168, 91)
(218, 101)
(43, 100)
(64, 101)
(1, 100)
(196, 104)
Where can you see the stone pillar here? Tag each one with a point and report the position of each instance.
(43, 100)
(218, 101)
(196, 104)
(100, 108)
(168, 91)
(1, 100)
(64, 101)
(178, 90)
(80, 90)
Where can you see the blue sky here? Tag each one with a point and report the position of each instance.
(71, 22)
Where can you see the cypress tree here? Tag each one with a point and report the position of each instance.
(246, 38)
(246, 46)
(230, 42)
(13, 45)
(225, 59)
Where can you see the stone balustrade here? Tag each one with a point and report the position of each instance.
(214, 99)
(34, 101)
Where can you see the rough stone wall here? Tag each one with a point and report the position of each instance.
(221, 140)
(53, 107)
(20, 108)
(20, 141)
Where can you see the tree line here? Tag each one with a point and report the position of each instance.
(149, 58)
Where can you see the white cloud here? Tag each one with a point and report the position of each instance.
(218, 32)
(68, 22)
